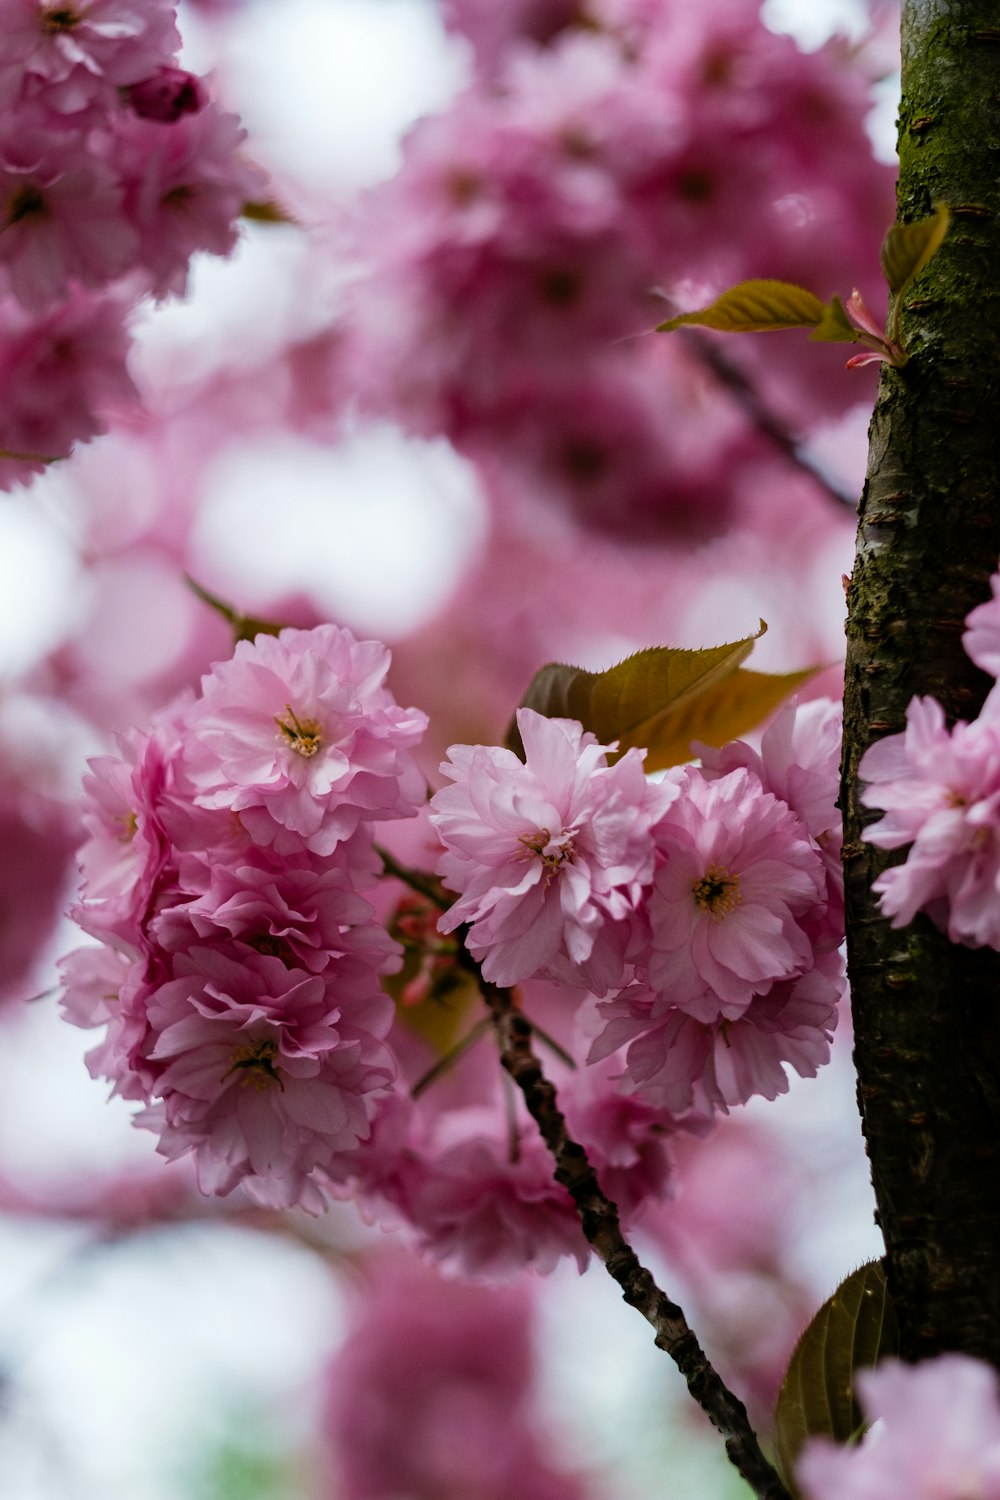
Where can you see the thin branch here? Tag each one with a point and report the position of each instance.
(447, 1062)
(599, 1218)
(766, 421)
(425, 885)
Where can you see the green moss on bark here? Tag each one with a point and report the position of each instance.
(927, 1013)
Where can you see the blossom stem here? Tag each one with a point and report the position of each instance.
(446, 1063)
(768, 424)
(599, 1218)
(425, 885)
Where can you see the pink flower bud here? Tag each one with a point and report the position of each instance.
(166, 95)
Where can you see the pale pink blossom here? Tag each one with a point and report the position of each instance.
(551, 855)
(728, 910)
(936, 1436)
(940, 791)
(679, 1063)
(127, 846)
(104, 986)
(982, 632)
(299, 736)
(799, 762)
(307, 913)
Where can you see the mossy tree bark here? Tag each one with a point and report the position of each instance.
(926, 1012)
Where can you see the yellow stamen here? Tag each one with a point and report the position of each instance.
(303, 735)
(717, 892)
(553, 853)
(255, 1060)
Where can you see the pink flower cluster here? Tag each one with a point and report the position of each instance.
(226, 855)
(936, 1436)
(594, 169)
(940, 791)
(113, 164)
(709, 905)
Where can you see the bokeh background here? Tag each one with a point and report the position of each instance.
(154, 1346)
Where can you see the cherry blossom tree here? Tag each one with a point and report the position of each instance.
(503, 968)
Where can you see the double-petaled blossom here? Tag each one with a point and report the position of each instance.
(266, 1072)
(679, 1063)
(799, 762)
(239, 985)
(940, 792)
(299, 735)
(739, 883)
(934, 1434)
(551, 855)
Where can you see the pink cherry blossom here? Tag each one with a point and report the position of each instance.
(940, 791)
(982, 632)
(679, 1063)
(59, 373)
(267, 1073)
(799, 762)
(61, 218)
(185, 185)
(936, 1436)
(127, 846)
(482, 1200)
(551, 855)
(728, 907)
(298, 734)
(307, 913)
(84, 51)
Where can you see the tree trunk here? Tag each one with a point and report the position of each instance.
(927, 1012)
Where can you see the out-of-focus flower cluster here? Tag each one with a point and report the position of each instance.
(114, 169)
(607, 161)
(935, 1435)
(431, 1395)
(940, 791)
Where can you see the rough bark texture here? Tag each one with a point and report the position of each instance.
(927, 1013)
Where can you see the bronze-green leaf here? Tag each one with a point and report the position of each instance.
(267, 211)
(835, 327)
(755, 307)
(636, 701)
(724, 711)
(907, 248)
(855, 1328)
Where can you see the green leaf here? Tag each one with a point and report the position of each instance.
(755, 307)
(654, 699)
(854, 1329)
(907, 248)
(835, 326)
(724, 711)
